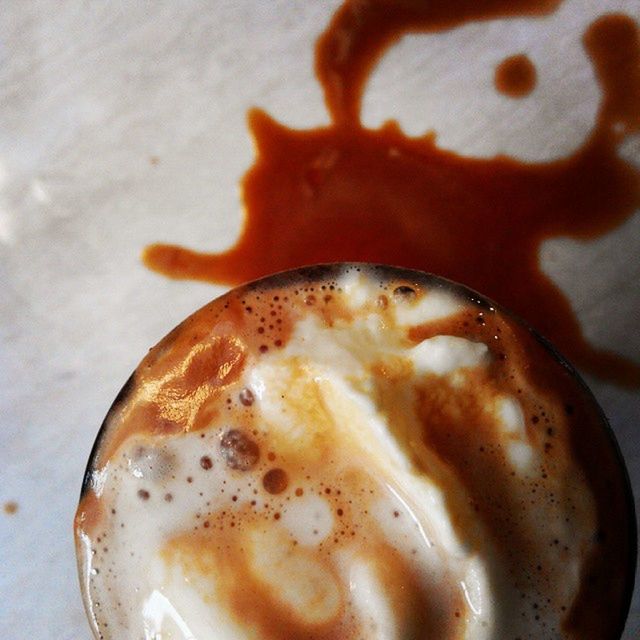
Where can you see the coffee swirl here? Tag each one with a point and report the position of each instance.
(354, 452)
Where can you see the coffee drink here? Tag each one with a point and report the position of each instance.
(355, 451)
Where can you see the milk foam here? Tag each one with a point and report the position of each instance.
(375, 519)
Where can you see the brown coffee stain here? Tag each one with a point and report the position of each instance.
(346, 193)
(516, 76)
(11, 508)
(360, 32)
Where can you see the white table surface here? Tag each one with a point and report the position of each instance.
(123, 123)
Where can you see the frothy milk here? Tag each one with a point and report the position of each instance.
(353, 452)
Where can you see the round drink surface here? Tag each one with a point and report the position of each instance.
(355, 451)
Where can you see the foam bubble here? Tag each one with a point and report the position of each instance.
(352, 451)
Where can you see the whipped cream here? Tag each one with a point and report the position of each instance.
(350, 452)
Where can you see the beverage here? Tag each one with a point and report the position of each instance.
(355, 451)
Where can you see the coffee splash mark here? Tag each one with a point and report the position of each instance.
(515, 76)
(360, 32)
(346, 193)
(10, 508)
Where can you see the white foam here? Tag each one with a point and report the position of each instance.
(511, 416)
(368, 593)
(434, 305)
(445, 354)
(308, 519)
(520, 455)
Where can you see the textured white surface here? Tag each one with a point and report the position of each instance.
(90, 92)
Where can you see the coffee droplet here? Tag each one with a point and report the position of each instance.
(239, 451)
(11, 507)
(275, 481)
(206, 463)
(515, 76)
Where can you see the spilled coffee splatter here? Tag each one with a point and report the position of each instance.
(348, 193)
(516, 76)
(11, 507)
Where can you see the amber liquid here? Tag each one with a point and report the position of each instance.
(347, 193)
